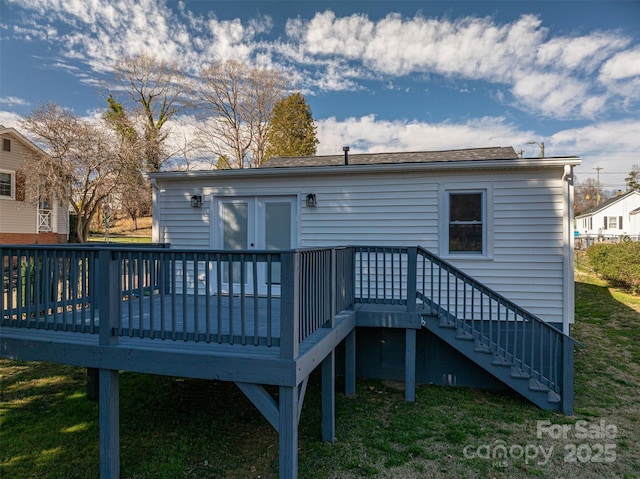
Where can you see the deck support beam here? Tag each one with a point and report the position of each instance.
(350, 364)
(329, 398)
(109, 417)
(288, 432)
(567, 376)
(410, 365)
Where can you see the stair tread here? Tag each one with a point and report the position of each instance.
(500, 361)
(464, 335)
(536, 385)
(518, 373)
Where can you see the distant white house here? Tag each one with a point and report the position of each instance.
(21, 221)
(615, 219)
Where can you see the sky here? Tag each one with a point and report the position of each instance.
(378, 75)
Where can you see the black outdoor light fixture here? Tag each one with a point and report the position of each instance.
(196, 201)
(311, 200)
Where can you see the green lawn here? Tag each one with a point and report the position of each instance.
(178, 428)
(116, 238)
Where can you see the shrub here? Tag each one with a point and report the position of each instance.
(619, 264)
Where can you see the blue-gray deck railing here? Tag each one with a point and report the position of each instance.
(225, 297)
(406, 275)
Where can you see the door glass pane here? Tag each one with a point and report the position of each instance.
(277, 226)
(277, 231)
(235, 233)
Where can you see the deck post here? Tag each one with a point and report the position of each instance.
(109, 417)
(567, 376)
(410, 365)
(412, 278)
(410, 334)
(350, 364)
(329, 398)
(108, 294)
(290, 305)
(288, 432)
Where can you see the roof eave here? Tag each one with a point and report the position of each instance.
(460, 165)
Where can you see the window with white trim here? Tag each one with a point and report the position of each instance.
(466, 222)
(7, 184)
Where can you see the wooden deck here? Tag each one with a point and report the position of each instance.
(211, 315)
(183, 313)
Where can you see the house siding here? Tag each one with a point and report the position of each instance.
(19, 219)
(594, 223)
(16, 216)
(526, 240)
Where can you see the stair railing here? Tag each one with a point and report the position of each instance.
(533, 347)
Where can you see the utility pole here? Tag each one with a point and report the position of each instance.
(598, 168)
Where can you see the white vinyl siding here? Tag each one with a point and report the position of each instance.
(525, 215)
(613, 220)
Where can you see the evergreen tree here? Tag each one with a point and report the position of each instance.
(633, 180)
(292, 131)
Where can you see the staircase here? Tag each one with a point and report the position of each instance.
(478, 349)
(527, 354)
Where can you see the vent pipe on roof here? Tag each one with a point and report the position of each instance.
(346, 154)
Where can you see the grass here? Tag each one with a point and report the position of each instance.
(179, 428)
(123, 231)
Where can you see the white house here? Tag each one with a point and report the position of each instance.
(21, 221)
(505, 220)
(617, 218)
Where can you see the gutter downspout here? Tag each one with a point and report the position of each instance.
(569, 243)
(156, 216)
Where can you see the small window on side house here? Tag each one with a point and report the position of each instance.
(6, 185)
(613, 222)
(466, 222)
(6, 144)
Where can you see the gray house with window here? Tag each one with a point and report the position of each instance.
(503, 220)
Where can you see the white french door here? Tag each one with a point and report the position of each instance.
(255, 223)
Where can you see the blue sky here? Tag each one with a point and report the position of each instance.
(379, 76)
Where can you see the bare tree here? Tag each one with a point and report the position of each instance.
(155, 91)
(80, 167)
(235, 104)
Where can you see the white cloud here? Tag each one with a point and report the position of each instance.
(550, 93)
(368, 134)
(9, 119)
(549, 75)
(622, 66)
(584, 53)
(13, 101)
(613, 146)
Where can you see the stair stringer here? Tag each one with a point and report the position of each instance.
(494, 364)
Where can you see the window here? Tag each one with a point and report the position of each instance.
(613, 222)
(6, 184)
(466, 222)
(6, 144)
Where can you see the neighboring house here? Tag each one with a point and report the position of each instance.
(615, 219)
(21, 221)
(504, 220)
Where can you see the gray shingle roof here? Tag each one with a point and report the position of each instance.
(470, 154)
